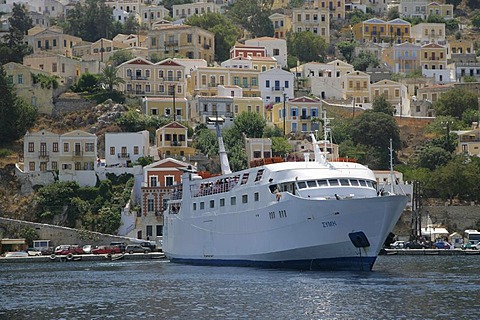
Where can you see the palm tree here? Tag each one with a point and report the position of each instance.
(109, 77)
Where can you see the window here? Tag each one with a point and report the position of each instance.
(150, 205)
(222, 202)
(31, 147)
(89, 147)
(202, 205)
(112, 151)
(135, 150)
(233, 201)
(245, 198)
(189, 38)
(66, 147)
(31, 166)
(267, 83)
(194, 206)
(212, 203)
(256, 196)
(54, 165)
(153, 181)
(55, 147)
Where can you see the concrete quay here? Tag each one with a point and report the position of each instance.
(84, 257)
(444, 252)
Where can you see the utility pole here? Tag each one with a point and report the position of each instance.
(284, 114)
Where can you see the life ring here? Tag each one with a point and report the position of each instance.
(70, 256)
(53, 256)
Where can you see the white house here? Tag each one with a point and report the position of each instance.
(274, 47)
(274, 84)
(125, 148)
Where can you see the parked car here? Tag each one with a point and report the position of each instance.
(149, 244)
(66, 249)
(415, 245)
(135, 248)
(34, 252)
(471, 245)
(106, 250)
(442, 245)
(120, 245)
(398, 245)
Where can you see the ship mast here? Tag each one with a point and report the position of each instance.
(224, 164)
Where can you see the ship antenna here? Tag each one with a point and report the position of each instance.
(224, 164)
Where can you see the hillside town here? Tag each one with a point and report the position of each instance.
(408, 53)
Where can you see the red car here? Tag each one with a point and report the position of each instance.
(106, 250)
(66, 249)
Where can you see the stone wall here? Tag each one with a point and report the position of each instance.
(59, 235)
(70, 102)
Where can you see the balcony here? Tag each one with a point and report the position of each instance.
(305, 117)
(172, 78)
(170, 44)
(138, 78)
(77, 153)
(278, 88)
(206, 46)
(123, 155)
(43, 155)
(176, 144)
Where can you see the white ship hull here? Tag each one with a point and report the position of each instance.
(292, 232)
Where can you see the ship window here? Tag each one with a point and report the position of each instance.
(202, 205)
(222, 202)
(212, 203)
(322, 183)
(194, 206)
(369, 184)
(233, 201)
(312, 184)
(344, 182)
(333, 182)
(256, 196)
(362, 183)
(245, 198)
(301, 185)
(245, 178)
(354, 182)
(259, 175)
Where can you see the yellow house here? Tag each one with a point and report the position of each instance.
(28, 88)
(336, 8)
(301, 115)
(247, 104)
(433, 56)
(356, 86)
(181, 40)
(176, 109)
(443, 10)
(52, 40)
(468, 142)
(143, 77)
(172, 140)
(205, 80)
(316, 20)
(281, 25)
(394, 92)
(461, 46)
(278, 4)
(377, 30)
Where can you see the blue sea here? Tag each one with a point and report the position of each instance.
(399, 287)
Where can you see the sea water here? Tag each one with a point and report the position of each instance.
(399, 287)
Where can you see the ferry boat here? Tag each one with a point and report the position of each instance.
(311, 215)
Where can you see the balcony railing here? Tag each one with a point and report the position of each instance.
(123, 155)
(176, 144)
(278, 88)
(138, 78)
(171, 43)
(77, 153)
(43, 155)
(305, 117)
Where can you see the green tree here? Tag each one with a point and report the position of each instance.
(306, 46)
(20, 20)
(121, 56)
(347, 49)
(380, 104)
(454, 2)
(476, 20)
(393, 14)
(226, 33)
(16, 116)
(455, 102)
(375, 129)
(13, 48)
(131, 25)
(432, 157)
(280, 146)
(205, 140)
(365, 60)
(109, 77)
(253, 16)
(292, 4)
(357, 16)
(87, 83)
(52, 198)
(90, 21)
(250, 123)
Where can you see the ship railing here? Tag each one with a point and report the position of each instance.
(210, 188)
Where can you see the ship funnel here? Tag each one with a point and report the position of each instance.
(224, 164)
